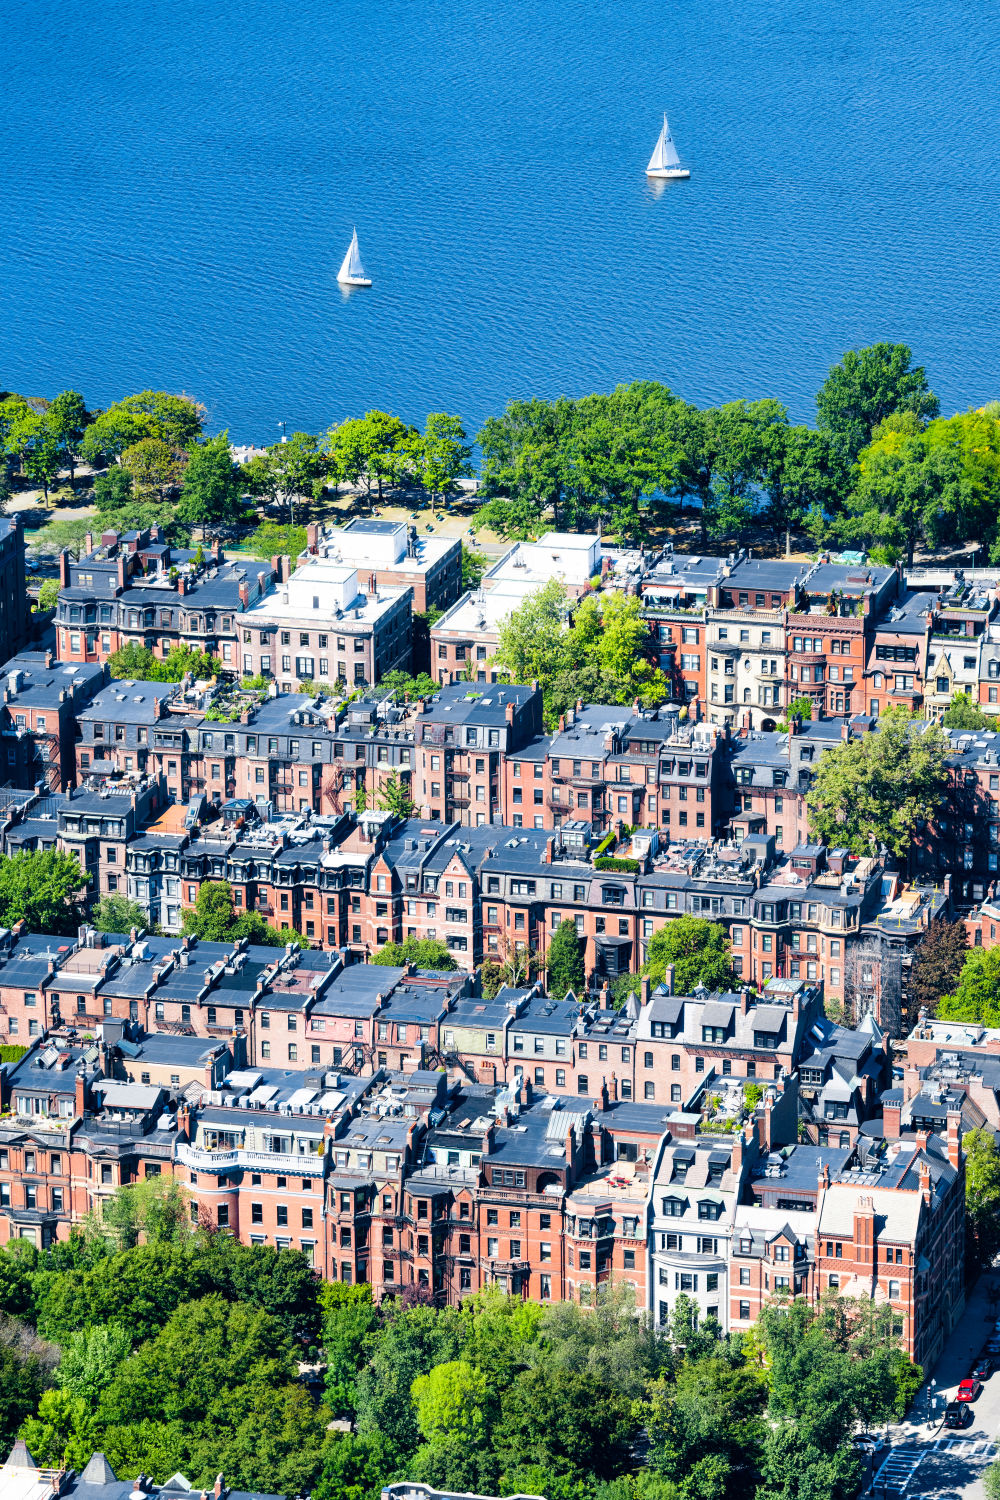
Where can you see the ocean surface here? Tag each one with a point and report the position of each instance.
(181, 180)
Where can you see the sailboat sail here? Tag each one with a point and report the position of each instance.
(352, 269)
(664, 152)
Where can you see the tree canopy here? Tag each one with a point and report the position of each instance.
(423, 953)
(698, 950)
(44, 888)
(564, 961)
(214, 917)
(872, 790)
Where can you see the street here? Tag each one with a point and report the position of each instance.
(926, 1460)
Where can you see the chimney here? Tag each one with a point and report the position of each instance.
(549, 848)
(64, 569)
(605, 996)
(88, 542)
(644, 989)
(579, 705)
(245, 595)
(122, 569)
(923, 1136)
(845, 731)
(509, 713)
(182, 585)
(746, 999)
(824, 1176)
(794, 724)
(925, 1183)
(276, 567)
(668, 979)
(562, 723)
(312, 537)
(955, 1138)
(80, 1102)
(220, 1488)
(891, 1121)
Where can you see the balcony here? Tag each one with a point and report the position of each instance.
(274, 1161)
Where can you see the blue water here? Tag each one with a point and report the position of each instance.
(180, 182)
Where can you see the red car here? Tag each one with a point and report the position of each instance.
(969, 1389)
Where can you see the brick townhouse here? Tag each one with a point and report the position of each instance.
(136, 589)
(404, 1178)
(15, 613)
(41, 701)
(609, 765)
(327, 622)
(463, 740)
(398, 555)
(465, 638)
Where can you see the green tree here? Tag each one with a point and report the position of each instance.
(698, 951)
(799, 708)
(450, 1401)
(866, 387)
(937, 965)
(443, 454)
(564, 961)
(44, 888)
(139, 663)
(91, 1360)
(59, 535)
(48, 594)
(473, 567)
(491, 978)
(530, 642)
(271, 540)
(64, 1433)
(286, 471)
(210, 490)
(16, 1295)
(25, 1371)
(118, 914)
(68, 417)
(515, 520)
(349, 1316)
(369, 450)
(899, 494)
(152, 467)
(872, 790)
(424, 953)
(566, 1421)
(977, 995)
(356, 1466)
(962, 713)
(175, 420)
(394, 796)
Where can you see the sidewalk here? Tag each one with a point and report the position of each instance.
(926, 1459)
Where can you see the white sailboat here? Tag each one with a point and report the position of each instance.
(664, 161)
(352, 272)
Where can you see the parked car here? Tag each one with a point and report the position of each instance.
(984, 1368)
(868, 1443)
(969, 1389)
(957, 1414)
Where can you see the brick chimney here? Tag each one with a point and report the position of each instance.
(182, 585)
(245, 595)
(88, 542)
(892, 1121)
(80, 1101)
(122, 569)
(64, 569)
(312, 537)
(509, 713)
(864, 1232)
(668, 979)
(220, 1488)
(550, 845)
(644, 989)
(955, 1138)
(925, 1183)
